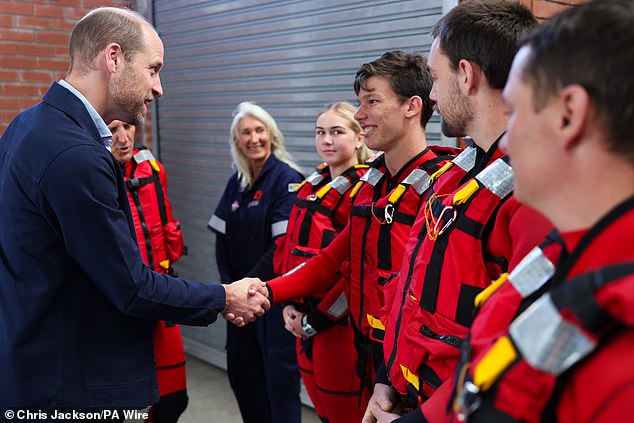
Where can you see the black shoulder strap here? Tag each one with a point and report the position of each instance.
(160, 197)
(432, 165)
(579, 296)
(133, 184)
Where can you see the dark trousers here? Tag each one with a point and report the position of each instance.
(263, 370)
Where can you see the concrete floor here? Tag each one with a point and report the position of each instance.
(211, 399)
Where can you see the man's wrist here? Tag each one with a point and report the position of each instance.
(270, 292)
(306, 327)
(227, 294)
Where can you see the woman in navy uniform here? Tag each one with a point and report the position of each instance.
(252, 212)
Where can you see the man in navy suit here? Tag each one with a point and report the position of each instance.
(77, 304)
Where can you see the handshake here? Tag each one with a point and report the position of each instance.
(246, 299)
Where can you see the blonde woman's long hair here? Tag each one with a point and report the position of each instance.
(347, 111)
(240, 162)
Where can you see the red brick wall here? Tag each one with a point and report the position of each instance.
(543, 9)
(34, 50)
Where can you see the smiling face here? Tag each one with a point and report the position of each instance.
(138, 83)
(254, 141)
(451, 103)
(336, 141)
(381, 113)
(122, 140)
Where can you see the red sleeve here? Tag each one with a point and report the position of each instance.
(601, 389)
(517, 229)
(316, 275)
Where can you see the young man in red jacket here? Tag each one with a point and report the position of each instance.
(473, 228)
(394, 108)
(554, 341)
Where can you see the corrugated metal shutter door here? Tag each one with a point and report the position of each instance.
(291, 57)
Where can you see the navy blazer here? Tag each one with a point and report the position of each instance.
(77, 303)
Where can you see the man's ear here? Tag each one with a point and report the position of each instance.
(469, 74)
(414, 106)
(574, 110)
(113, 56)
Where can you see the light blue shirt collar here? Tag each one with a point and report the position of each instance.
(104, 132)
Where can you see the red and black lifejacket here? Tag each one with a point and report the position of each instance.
(161, 244)
(321, 211)
(446, 265)
(158, 233)
(538, 326)
(383, 212)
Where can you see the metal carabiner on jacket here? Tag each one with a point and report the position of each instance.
(448, 223)
(389, 213)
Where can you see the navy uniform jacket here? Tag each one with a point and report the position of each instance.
(247, 221)
(75, 297)
(261, 360)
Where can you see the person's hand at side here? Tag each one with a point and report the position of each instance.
(384, 405)
(293, 321)
(246, 300)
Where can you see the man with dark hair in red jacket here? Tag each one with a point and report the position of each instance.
(554, 341)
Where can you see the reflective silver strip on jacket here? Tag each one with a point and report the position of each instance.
(217, 224)
(339, 307)
(419, 180)
(546, 340)
(295, 269)
(372, 176)
(341, 184)
(466, 159)
(532, 272)
(315, 178)
(279, 228)
(498, 178)
(143, 155)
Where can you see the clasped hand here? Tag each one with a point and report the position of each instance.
(293, 321)
(384, 406)
(246, 299)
